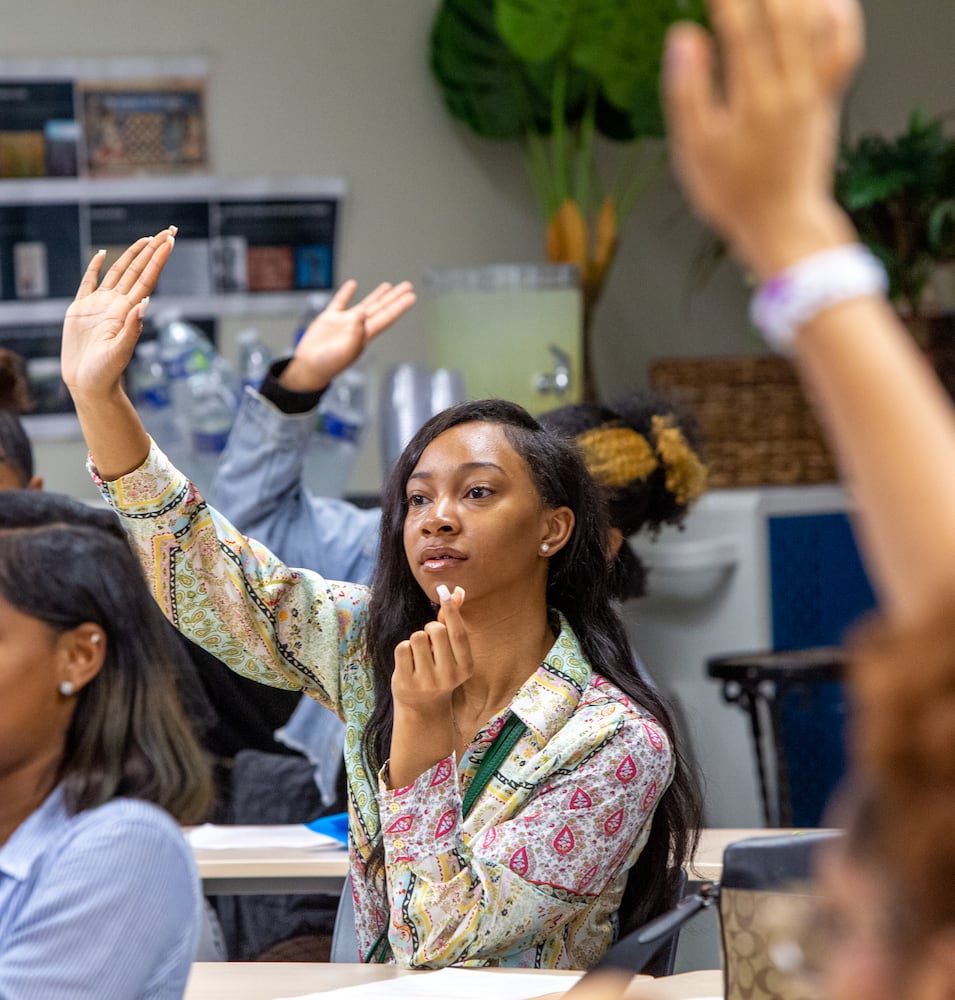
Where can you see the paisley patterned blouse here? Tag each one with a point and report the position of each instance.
(534, 875)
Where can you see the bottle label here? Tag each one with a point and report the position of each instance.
(156, 396)
(209, 442)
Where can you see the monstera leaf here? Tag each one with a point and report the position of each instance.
(485, 85)
(617, 43)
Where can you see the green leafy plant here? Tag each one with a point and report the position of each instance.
(900, 194)
(553, 75)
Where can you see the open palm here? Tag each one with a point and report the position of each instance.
(104, 321)
(339, 334)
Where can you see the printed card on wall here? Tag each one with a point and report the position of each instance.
(147, 126)
(39, 134)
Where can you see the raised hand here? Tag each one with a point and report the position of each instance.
(104, 321)
(339, 334)
(755, 152)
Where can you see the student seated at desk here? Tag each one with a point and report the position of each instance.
(217, 700)
(530, 670)
(99, 896)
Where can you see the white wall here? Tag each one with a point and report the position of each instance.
(342, 87)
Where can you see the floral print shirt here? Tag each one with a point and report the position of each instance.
(534, 875)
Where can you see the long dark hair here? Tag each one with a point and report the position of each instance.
(65, 563)
(578, 586)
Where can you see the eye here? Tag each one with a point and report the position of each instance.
(479, 492)
(416, 500)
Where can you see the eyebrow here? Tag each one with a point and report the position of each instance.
(465, 467)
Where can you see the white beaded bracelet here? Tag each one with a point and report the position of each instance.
(791, 298)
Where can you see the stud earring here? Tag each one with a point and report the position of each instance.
(544, 549)
(96, 637)
(67, 689)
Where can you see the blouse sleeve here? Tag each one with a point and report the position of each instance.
(461, 896)
(285, 627)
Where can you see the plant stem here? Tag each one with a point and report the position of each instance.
(559, 132)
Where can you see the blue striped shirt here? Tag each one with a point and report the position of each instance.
(105, 903)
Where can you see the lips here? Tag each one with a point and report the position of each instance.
(439, 558)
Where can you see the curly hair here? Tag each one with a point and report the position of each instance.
(904, 746)
(645, 454)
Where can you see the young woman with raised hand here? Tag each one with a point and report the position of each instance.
(506, 766)
(99, 896)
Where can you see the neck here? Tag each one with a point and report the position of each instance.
(23, 791)
(507, 649)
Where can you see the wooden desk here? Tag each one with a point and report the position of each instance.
(265, 981)
(271, 870)
(277, 870)
(707, 864)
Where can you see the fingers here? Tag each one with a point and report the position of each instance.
(438, 657)
(688, 84)
(119, 267)
(736, 23)
(91, 275)
(391, 307)
(840, 43)
(144, 285)
(143, 270)
(342, 297)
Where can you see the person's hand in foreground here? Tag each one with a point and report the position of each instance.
(755, 153)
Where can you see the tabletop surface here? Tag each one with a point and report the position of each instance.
(266, 980)
(331, 864)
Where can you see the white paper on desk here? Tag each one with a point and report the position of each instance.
(462, 984)
(213, 837)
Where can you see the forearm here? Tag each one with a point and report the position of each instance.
(893, 429)
(886, 414)
(116, 439)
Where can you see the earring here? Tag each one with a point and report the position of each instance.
(67, 689)
(544, 549)
(96, 637)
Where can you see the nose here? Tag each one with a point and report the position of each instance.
(441, 517)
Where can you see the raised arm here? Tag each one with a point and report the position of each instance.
(755, 154)
(259, 484)
(102, 326)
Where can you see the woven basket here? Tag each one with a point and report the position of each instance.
(757, 426)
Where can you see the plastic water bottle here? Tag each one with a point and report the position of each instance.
(183, 349)
(210, 410)
(149, 390)
(254, 358)
(333, 450)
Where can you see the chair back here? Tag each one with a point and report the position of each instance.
(652, 953)
(344, 936)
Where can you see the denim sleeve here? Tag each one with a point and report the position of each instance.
(259, 489)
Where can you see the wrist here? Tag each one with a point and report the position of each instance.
(299, 376)
(795, 296)
(782, 239)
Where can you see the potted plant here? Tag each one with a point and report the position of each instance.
(900, 194)
(554, 75)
